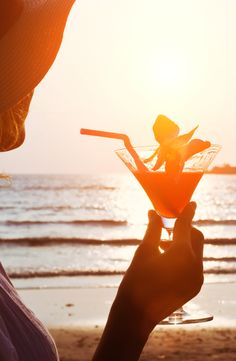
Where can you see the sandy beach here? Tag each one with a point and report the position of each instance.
(76, 317)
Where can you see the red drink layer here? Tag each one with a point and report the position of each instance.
(168, 195)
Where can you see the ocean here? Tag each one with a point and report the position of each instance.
(79, 230)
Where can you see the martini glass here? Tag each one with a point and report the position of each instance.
(169, 195)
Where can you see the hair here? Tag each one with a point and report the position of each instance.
(10, 11)
(12, 124)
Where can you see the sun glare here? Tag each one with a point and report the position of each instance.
(170, 70)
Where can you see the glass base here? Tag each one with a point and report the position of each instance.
(180, 317)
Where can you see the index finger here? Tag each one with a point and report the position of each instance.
(182, 229)
(152, 236)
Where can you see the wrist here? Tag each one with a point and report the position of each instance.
(125, 333)
(135, 320)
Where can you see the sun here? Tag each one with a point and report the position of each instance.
(170, 70)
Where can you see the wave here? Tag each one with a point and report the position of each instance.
(68, 187)
(97, 187)
(220, 259)
(49, 188)
(212, 222)
(68, 273)
(99, 208)
(221, 271)
(221, 241)
(73, 273)
(45, 241)
(54, 208)
(101, 222)
(115, 222)
(3, 208)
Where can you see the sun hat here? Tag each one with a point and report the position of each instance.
(30, 37)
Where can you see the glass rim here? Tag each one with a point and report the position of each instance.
(217, 146)
(205, 157)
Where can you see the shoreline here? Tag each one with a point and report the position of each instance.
(89, 306)
(76, 317)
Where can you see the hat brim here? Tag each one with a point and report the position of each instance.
(29, 48)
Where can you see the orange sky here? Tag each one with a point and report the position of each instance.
(121, 64)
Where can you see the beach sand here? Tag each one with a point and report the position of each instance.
(163, 344)
(76, 317)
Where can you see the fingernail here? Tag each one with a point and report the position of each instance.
(151, 214)
(193, 205)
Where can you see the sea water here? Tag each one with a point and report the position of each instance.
(76, 230)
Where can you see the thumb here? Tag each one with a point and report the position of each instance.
(197, 240)
(182, 229)
(153, 232)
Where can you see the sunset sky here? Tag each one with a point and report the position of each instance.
(120, 65)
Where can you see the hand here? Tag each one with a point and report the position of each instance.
(156, 284)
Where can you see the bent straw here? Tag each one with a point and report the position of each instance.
(123, 137)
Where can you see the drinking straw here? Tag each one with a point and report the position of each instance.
(123, 137)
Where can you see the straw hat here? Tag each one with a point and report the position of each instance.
(30, 36)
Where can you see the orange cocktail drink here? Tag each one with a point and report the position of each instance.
(168, 195)
(169, 174)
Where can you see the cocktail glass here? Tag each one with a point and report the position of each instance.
(169, 195)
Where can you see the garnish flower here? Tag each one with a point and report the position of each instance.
(174, 149)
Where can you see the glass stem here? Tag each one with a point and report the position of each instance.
(170, 234)
(177, 316)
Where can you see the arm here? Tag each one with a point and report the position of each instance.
(155, 285)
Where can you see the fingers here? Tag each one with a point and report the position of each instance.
(197, 240)
(153, 233)
(182, 229)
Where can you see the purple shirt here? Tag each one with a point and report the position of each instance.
(22, 336)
